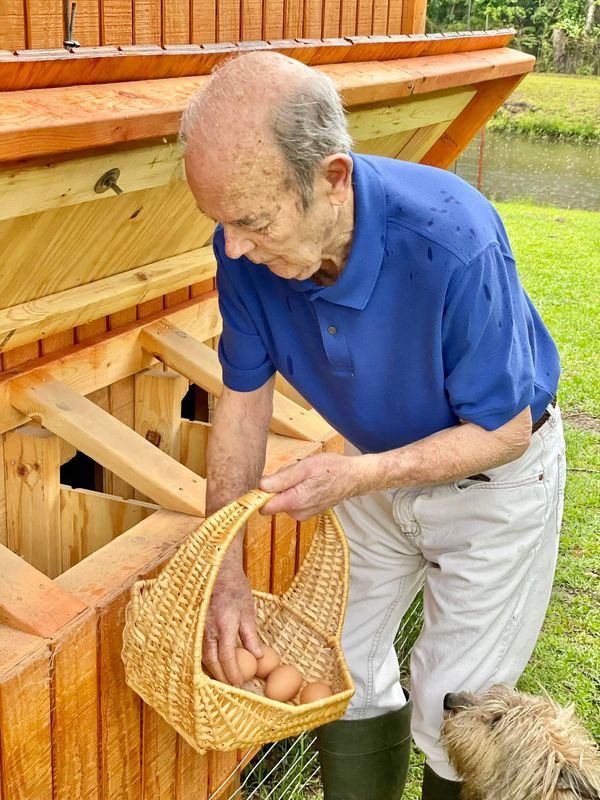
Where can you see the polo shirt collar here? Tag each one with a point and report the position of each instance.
(355, 285)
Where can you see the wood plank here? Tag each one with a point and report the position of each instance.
(192, 773)
(108, 442)
(257, 552)
(272, 19)
(136, 229)
(313, 16)
(331, 18)
(116, 22)
(177, 296)
(223, 775)
(414, 16)
(87, 23)
(26, 755)
(194, 444)
(56, 341)
(32, 464)
(176, 22)
(12, 25)
(147, 22)
(203, 20)
(75, 710)
(304, 534)
(30, 601)
(380, 17)
(364, 17)
(3, 529)
(20, 355)
(57, 184)
(85, 117)
(251, 20)
(90, 520)
(44, 19)
(283, 553)
(490, 96)
(159, 756)
(201, 365)
(120, 711)
(228, 20)
(394, 21)
(421, 141)
(387, 146)
(157, 416)
(121, 400)
(293, 12)
(383, 119)
(118, 355)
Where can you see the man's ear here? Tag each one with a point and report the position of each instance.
(337, 171)
(571, 779)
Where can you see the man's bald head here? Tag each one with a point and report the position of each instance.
(263, 109)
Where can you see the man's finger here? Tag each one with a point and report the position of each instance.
(250, 640)
(210, 659)
(284, 501)
(283, 479)
(228, 662)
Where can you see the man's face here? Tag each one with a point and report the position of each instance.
(262, 215)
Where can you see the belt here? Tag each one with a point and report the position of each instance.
(535, 427)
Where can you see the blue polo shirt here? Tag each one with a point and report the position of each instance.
(427, 324)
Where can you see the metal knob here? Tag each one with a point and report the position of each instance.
(109, 181)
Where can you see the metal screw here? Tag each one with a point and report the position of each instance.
(109, 181)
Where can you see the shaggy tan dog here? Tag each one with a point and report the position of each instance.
(507, 745)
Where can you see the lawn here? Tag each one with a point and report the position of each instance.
(552, 105)
(558, 253)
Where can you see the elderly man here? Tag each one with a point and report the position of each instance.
(386, 293)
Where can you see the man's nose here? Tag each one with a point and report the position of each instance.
(237, 243)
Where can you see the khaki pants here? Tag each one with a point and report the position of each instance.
(485, 554)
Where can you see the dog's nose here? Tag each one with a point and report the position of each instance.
(449, 701)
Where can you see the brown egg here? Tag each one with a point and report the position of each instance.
(317, 690)
(283, 683)
(268, 662)
(246, 663)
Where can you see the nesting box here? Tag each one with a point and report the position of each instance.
(108, 316)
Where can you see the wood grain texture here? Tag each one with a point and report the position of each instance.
(12, 25)
(414, 16)
(26, 755)
(194, 444)
(394, 20)
(293, 12)
(331, 18)
(283, 553)
(109, 442)
(118, 355)
(75, 731)
(203, 19)
(32, 463)
(176, 22)
(223, 775)
(44, 20)
(313, 15)
(272, 19)
(3, 529)
(116, 22)
(380, 17)
(228, 20)
(61, 311)
(90, 520)
(421, 141)
(87, 23)
(251, 20)
(147, 22)
(192, 773)
(31, 602)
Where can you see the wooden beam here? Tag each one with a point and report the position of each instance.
(30, 601)
(66, 183)
(194, 444)
(90, 520)
(108, 441)
(40, 69)
(384, 119)
(117, 355)
(68, 119)
(157, 416)
(32, 465)
(200, 364)
(488, 99)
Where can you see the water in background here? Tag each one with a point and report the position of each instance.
(563, 174)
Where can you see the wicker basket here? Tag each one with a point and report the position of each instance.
(162, 640)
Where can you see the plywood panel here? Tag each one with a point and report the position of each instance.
(100, 238)
(12, 25)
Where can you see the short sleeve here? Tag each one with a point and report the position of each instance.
(244, 358)
(488, 343)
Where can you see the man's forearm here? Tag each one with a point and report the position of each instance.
(445, 456)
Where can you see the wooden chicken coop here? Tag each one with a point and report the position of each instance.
(108, 324)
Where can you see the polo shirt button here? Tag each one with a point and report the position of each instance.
(332, 330)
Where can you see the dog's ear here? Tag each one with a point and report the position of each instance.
(570, 779)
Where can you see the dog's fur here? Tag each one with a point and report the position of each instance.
(507, 745)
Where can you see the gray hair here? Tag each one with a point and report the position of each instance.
(308, 124)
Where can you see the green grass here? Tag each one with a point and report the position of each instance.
(557, 253)
(559, 106)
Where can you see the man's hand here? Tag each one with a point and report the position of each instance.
(312, 485)
(231, 613)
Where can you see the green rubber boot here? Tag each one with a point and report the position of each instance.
(436, 788)
(365, 759)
